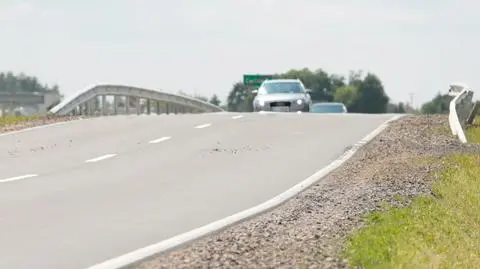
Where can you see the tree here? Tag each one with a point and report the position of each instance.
(240, 98)
(396, 108)
(10, 82)
(348, 95)
(318, 81)
(371, 95)
(400, 108)
(214, 100)
(438, 105)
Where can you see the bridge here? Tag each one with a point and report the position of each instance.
(127, 100)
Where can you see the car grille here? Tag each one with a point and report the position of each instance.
(280, 103)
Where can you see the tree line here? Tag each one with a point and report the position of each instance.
(10, 82)
(361, 93)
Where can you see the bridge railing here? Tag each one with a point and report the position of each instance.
(67, 105)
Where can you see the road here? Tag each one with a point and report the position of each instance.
(77, 194)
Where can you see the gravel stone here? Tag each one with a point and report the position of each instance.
(309, 230)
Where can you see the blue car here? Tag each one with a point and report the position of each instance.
(328, 108)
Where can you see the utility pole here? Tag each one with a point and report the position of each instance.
(411, 99)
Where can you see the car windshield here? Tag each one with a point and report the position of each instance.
(281, 87)
(327, 108)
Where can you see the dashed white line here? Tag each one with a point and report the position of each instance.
(203, 126)
(17, 178)
(161, 139)
(101, 158)
(237, 117)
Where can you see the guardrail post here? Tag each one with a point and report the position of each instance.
(473, 113)
(104, 105)
(157, 105)
(127, 105)
(137, 106)
(115, 105)
(88, 108)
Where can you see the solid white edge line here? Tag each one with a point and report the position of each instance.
(203, 126)
(149, 251)
(161, 139)
(17, 178)
(100, 158)
(237, 117)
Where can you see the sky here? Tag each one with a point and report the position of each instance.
(204, 47)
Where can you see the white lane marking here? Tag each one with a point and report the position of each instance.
(237, 117)
(101, 158)
(17, 178)
(203, 126)
(161, 139)
(178, 240)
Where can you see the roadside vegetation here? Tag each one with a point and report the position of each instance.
(13, 120)
(437, 231)
(473, 133)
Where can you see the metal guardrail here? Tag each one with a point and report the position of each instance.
(460, 109)
(473, 113)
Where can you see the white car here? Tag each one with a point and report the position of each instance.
(282, 95)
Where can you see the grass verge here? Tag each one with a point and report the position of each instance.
(12, 120)
(473, 132)
(439, 231)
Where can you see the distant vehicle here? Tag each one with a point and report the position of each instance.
(282, 95)
(328, 108)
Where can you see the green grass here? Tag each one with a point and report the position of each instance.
(12, 120)
(473, 132)
(433, 232)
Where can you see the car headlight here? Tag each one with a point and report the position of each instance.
(261, 102)
(299, 101)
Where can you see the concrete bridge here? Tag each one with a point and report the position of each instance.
(93, 100)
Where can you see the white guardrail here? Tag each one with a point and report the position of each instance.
(460, 107)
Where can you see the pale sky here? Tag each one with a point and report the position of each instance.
(204, 46)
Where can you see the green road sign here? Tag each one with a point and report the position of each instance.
(254, 81)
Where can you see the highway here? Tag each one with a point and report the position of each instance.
(77, 194)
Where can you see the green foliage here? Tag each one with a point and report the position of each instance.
(10, 82)
(318, 81)
(214, 100)
(438, 105)
(13, 120)
(473, 132)
(348, 95)
(397, 108)
(440, 231)
(371, 96)
(240, 98)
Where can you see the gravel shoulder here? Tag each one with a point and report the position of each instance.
(309, 231)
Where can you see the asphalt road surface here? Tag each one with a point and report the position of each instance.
(75, 195)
